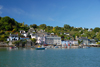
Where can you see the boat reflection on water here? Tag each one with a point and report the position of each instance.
(12, 48)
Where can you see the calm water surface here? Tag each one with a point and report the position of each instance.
(50, 58)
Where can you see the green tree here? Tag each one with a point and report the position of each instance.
(3, 37)
(33, 40)
(7, 23)
(42, 26)
(79, 42)
(49, 29)
(7, 42)
(17, 42)
(98, 35)
(62, 38)
(0, 18)
(97, 29)
(24, 42)
(66, 26)
(98, 43)
(34, 26)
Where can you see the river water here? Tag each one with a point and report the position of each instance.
(23, 57)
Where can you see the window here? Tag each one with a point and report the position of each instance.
(58, 39)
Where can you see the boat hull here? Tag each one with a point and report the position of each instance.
(40, 48)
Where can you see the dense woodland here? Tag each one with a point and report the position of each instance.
(9, 25)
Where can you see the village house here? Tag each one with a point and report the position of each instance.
(31, 31)
(13, 37)
(33, 36)
(41, 31)
(89, 30)
(66, 33)
(71, 42)
(92, 42)
(53, 40)
(40, 37)
(65, 43)
(52, 33)
(22, 32)
(75, 42)
(84, 40)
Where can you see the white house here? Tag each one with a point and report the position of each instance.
(89, 29)
(64, 43)
(13, 37)
(33, 36)
(67, 42)
(52, 33)
(23, 33)
(75, 42)
(40, 40)
(31, 31)
(84, 40)
(53, 40)
(40, 37)
(66, 33)
(92, 42)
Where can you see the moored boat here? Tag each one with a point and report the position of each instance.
(41, 48)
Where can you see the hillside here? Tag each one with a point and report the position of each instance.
(9, 25)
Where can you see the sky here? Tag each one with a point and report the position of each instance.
(77, 13)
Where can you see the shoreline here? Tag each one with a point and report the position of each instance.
(74, 46)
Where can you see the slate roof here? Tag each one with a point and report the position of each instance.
(14, 35)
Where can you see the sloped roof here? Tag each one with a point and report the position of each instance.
(93, 40)
(31, 30)
(83, 38)
(14, 35)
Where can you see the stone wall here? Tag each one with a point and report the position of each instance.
(3, 44)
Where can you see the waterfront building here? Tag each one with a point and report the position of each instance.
(41, 31)
(84, 40)
(13, 37)
(71, 42)
(40, 40)
(64, 43)
(75, 42)
(40, 37)
(92, 42)
(53, 40)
